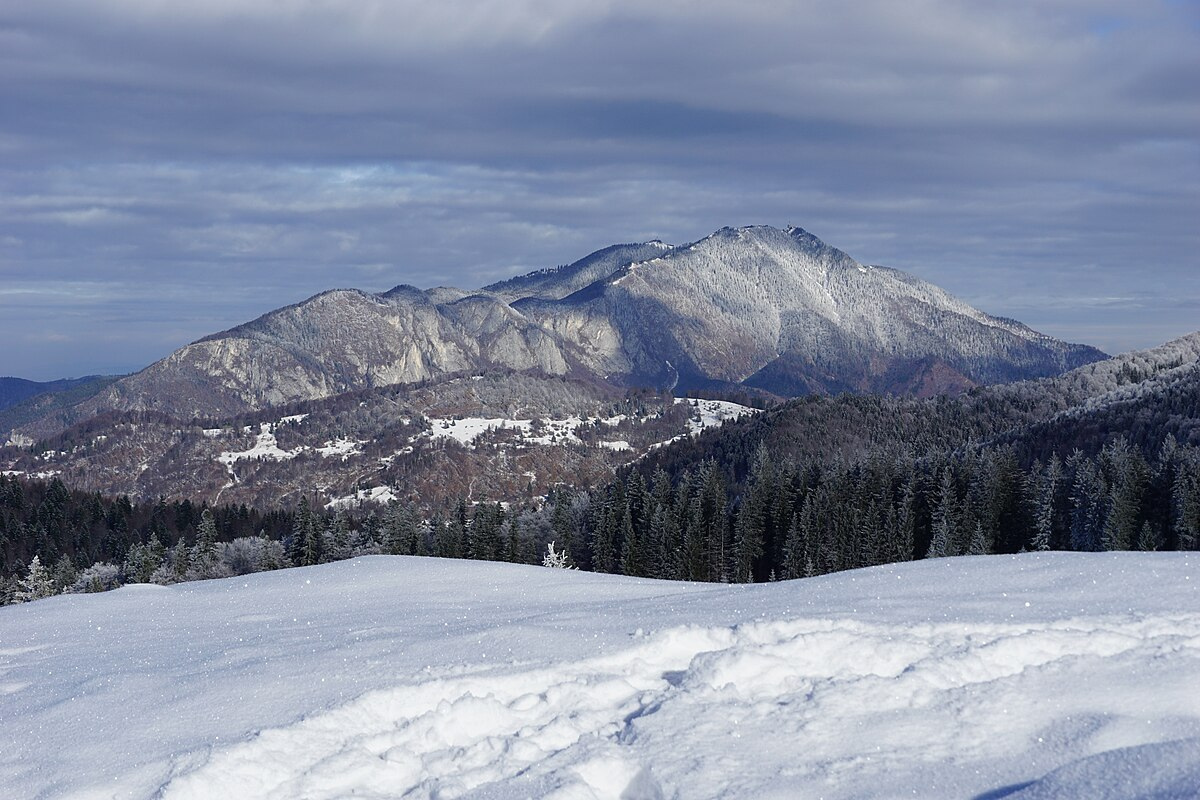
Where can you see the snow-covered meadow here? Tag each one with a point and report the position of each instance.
(1033, 676)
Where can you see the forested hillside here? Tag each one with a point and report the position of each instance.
(1103, 458)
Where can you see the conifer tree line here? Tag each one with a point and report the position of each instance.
(783, 520)
(788, 520)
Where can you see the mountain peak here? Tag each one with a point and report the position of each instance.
(772, 309)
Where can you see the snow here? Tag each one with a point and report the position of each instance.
(1033, 676)
(714, 413)
(620, 445)
(265, 447)
(466, 430)
(341, 447)
(376, 494)
(41, 476)
(294, 418)
(707, 414)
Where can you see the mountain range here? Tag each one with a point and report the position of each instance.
(758, 309)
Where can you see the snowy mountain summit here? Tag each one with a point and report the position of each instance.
(771, 309)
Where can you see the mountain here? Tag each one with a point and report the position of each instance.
(558, 282)
(1142, 397)
(501, 436)
(23, 401)
(14, 391)
(781, 311)
(758, 308)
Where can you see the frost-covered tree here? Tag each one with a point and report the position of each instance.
(64, 573)
(99, 577)
(247, 554)
(556, 559)
(36, 584)
(181, 562)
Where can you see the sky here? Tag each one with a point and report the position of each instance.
(171, 169)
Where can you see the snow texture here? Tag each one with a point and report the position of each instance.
(344, 448)
(265, 447)
(377, 494)
(1033, 676)
(465, 430)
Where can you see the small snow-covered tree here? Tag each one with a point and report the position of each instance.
(556, 559)
(99, 577)
(37, 584)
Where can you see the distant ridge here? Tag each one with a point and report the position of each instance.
(758, 308)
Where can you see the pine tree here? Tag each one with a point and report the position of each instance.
(978, 545)
(510, 532)
(301, 522)
(632, 549)
(906, 521)
(747, 541)
(63, 574)
(457, 532)
(944, 517)
(1148, 539)
(604, 543)
(205, 561)
(313, 543)
(336, 544)
(181, 561)
(564, 531)
(1130, 475)
(714, 525)
(1087, 503)
(1185, 510)
(36, 584)
(793, 551)
(484, 536)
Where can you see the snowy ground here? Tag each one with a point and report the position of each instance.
(1036, 676)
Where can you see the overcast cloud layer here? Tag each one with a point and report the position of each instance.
(170, 169)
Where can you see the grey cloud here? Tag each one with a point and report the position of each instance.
(234, 156)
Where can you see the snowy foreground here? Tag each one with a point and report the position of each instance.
(1035, 676)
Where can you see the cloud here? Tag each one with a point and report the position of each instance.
(274, 149)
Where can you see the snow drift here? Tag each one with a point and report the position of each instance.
(1033, 676)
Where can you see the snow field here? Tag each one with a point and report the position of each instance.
(925, 694)
(1036, 676)
(265, 447)
(465, 430)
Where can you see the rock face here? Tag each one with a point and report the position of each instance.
(782, 311)
(776, 310)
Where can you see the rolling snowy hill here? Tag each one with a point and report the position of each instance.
(1032, 676)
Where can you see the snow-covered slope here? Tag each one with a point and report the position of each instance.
(783, 311)
(558, 282)
(1051, 675)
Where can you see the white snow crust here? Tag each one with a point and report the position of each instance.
(376, 494)
(265, 447)
(1034, 676)
(343, 448)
